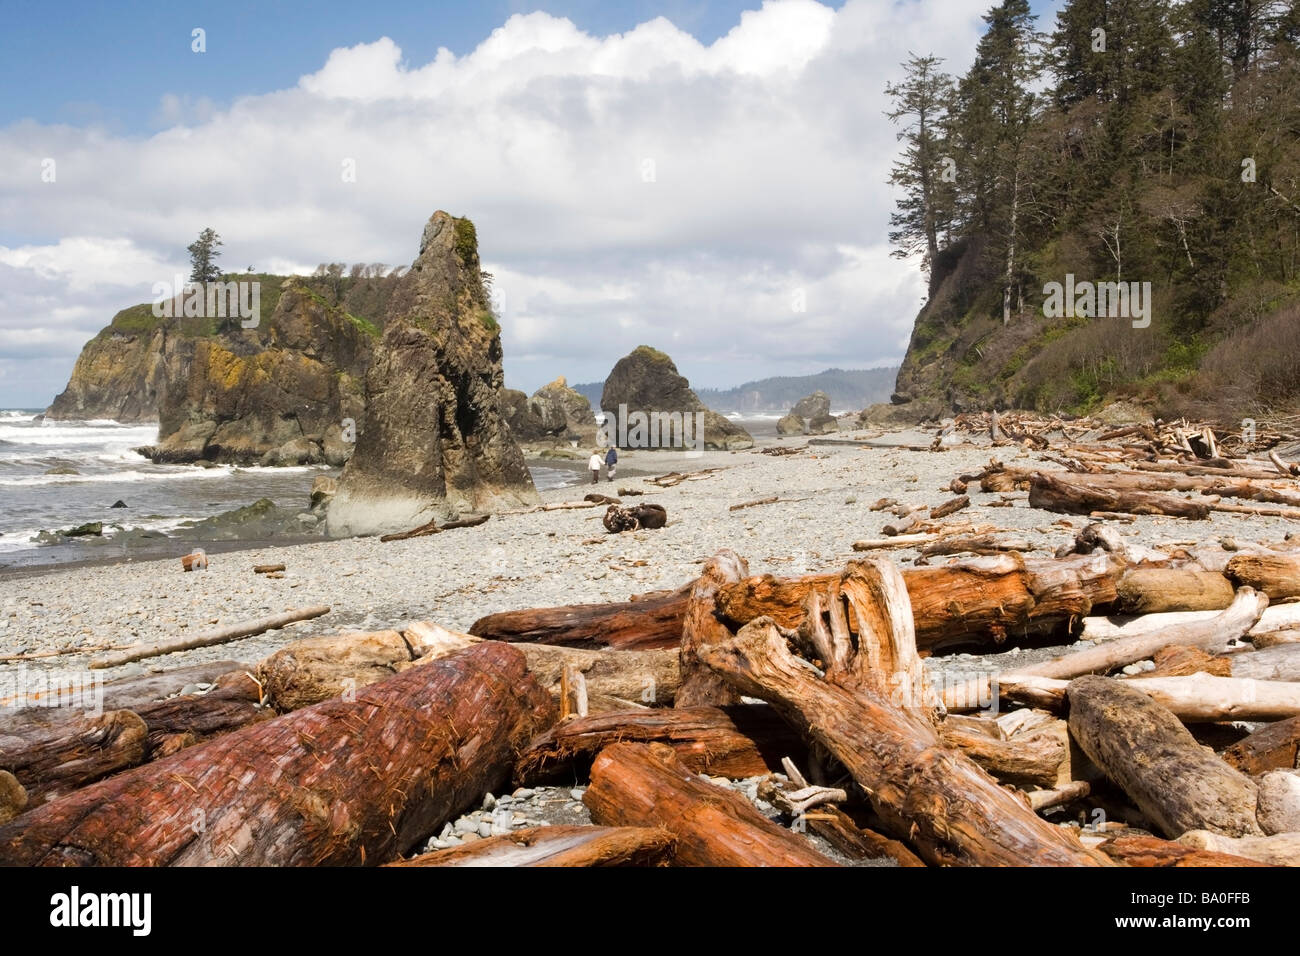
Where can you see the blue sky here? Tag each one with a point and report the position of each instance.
(762, 124)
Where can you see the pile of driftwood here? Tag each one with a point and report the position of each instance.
(1170, 739)
(1155, 438)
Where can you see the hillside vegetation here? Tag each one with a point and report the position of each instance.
(1137, 142)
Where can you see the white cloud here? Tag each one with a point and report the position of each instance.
(769, 153)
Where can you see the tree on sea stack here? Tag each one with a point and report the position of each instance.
(433, 443)
(203, 253)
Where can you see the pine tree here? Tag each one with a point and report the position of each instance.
(921, 103)
(203, 254)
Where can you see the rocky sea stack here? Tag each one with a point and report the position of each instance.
(646, 382)
(554, 413)
(433, 442)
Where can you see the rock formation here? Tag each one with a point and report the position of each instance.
(647, 383)
(811, 415)
(554, 413)
(118, 373)
(285, 392)
(790, 424)
(816, 405)
(433, 441)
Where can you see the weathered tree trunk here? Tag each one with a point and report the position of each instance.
(700, 685)
(71, 751)
(646, 785)
(1277, 575)
(1197, 698)
(1144, 749)
(1071, 495)
(1178, 660)
(1155, 590)
(1274, 747)
(558, 846)
(1033, 759)
(1214, 634)
(1155, 852)
(340, 783)
(1275, 617)
(124, 693)
(1281, 662)
(741, 740)
(317, 668)
(651, 622)
(1282, 849)
(184, 721)
(935, 798)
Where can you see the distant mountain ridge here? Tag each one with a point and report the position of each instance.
(847, 388)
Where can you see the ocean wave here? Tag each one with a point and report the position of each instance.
(77, 434)
(172, 473)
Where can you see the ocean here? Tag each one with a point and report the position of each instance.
(59, 475)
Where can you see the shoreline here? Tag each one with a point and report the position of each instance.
(545, 558)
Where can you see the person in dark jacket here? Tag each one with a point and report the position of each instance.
(611, 462)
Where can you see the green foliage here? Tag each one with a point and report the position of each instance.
(488, 321)
(203, 257)
(466, 243)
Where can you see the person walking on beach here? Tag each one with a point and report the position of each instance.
(611, 462)
(594, 464)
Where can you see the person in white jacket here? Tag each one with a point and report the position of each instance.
(594, 464)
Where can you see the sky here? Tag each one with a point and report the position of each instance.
(706, 178)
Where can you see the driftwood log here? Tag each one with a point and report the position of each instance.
(1275, 746)
(869, 711)
(220, 635)
(1282, 849)
(340, 783)
(558, 846)
(1076, 495)
(742, 740)
(71, 751)
(1277, 575)
(1148, 753)
(1155, 852)
(13, 797)
(646, 785)
(651, 621)
(700, 684)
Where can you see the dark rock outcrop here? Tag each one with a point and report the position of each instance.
(790, 424)
(554, 413)
(816, 405)
(433, 441)
(280, 393)
(646, 382)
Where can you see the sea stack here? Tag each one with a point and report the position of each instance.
(642, 394)
(433, 443)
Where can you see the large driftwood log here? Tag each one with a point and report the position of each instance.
(339, 783)
(558, 846)
(1155, 590)
(1282, 849)
(652, 621)
(1214, 634)
(621, 678)
(1197, 698)
(741, 740)
(700, 685)
(1277, 575)
(123, 693)
(1275, 617)
(188, 719)
(1281, 662)
(318, 668)
(1155, 852)
(71, 751)
(646, 785)
(933, 797)
(1144, 749)
(1275, 746)
(1076, 495)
